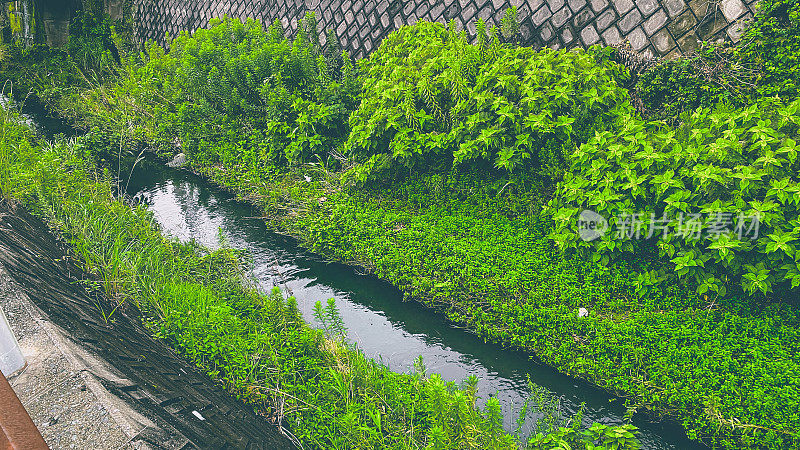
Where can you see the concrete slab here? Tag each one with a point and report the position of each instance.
(52, 388)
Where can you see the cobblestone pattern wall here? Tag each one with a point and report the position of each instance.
(655, 27)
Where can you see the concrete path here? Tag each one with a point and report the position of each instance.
(66, 401)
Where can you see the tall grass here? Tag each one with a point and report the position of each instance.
(5, 177)
(5, 149)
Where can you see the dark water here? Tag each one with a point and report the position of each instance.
(377, 319)
(34, 115)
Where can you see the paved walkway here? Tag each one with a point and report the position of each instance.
(67, 403)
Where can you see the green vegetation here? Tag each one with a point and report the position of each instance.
(431, 101)
(457, 172)
(54, 76)
(733, 165)
(763, 64)
(5, 158)
(674, 87)
(494, 269)
(325, 393)
(772, 42)
(296, 105)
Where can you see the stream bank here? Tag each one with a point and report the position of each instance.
(99, 383)
(192, 209)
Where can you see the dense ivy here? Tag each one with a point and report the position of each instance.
(772, 42)
(675, 87)
(764, 63)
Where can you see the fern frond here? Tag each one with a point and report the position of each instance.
(410, 110)
(429, 97)
(483, 40)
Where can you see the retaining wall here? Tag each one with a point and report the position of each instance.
(655, 27)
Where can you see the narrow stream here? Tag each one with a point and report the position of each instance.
(378, 320)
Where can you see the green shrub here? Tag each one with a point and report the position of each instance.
(772, 42)
(598, 436)
(237, 79)
(728, 166)
(53, 75)
(93, 41)
(46, 73)
(233, 94)
(431, 100)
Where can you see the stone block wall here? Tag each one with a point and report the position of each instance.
(654, 27)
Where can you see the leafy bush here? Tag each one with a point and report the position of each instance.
(233, 94)
(773, 42)
(237, 79)
(598, 436)
(46, 73)
(433, 100)
(93, 40)
(731, 166)
(53, 75)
